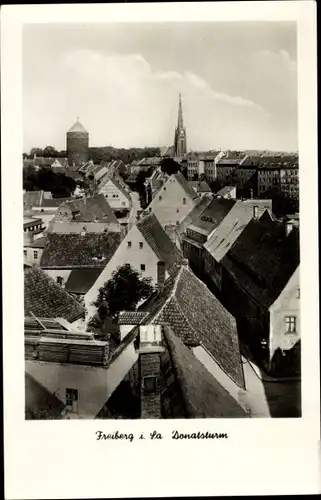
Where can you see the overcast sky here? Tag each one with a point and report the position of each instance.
(238, 83)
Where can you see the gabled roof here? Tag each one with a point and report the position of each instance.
(93, 209)
(213, 214)
(263, 258)
(78, 127)
(194, 213)
(225, 190)
(200, 186)
(37, 243)
(185, 185)
(81, 280)
(45, 298)
(230, 229)
(32, 198)
(159, 242)
(203, 396)
(121, 188)
(131, 317)
(197, 317)
(65, 251)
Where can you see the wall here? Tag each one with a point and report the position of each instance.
(116, 199)
(170, 209)
(287, 304)
(53, 273)
(95, 384)
(123, 255)
(29, 258)
(77, 227)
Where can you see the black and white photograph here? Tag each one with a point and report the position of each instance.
(165, 237)
(161, 225)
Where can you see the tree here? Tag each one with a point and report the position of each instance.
(50, 152)
(216, 185)
(170, 166)
(123, 291)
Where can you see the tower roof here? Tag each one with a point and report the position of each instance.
(180, 124)
(78, 127)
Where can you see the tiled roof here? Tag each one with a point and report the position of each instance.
(94, 209)
(81, 280)
(230, 229)
(54, 202)
(200, 186)
(194, 213)
(213, 214)
(32, 198)
(45, 298)
(197, 317)
(131, 317)
(159, 241)
(225, 190)
(263, 258)
(185, 185)
(40, 404)
(227, 162)
(202, 394)
(77, 250)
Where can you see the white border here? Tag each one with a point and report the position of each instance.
(62, 459)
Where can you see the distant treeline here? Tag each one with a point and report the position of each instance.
(98, 155)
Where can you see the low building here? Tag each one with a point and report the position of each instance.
(261, 288)
(64, 253)
(227, 192)
(32, 251)
(117, 196)
(200, 187)
(223, 237)
(87, 214)
(145, 244)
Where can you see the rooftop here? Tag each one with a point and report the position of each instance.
(194, 213)
(32, 198)
(78, 127)
(200, 186)
(185, 185)
(65, 251)
(230, 229)
(197, 317)
(45, 298)
(81, 280)
(94, 209)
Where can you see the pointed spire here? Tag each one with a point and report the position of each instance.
(180, 113)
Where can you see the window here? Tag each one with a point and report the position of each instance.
(141, 244)
(298, 293)
(149, 384)
(142, 267)
(184, 201)
(25, 253)
(35, 254)
(129, 244)
(72, 399)
(160, 198)
(164, 188)
(290, 324)
(60, 280)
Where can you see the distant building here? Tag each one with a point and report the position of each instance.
(77, 144)
(180, 138)
(32, 225)
(174, 200)
(227, 192)
(66, 252)
(117, 196)
(200, 187)
(32, 251)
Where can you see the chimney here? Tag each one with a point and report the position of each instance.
(288, 227)
(255, 211)
(160, 276)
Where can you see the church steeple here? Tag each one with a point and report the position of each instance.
(180, 146)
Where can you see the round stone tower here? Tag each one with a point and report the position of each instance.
(77, 144)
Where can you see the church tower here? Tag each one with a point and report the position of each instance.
(180, 146)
